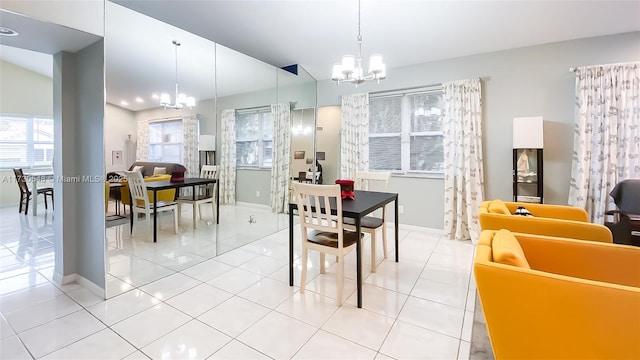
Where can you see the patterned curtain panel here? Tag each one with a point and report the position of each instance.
(606, 135)
(354, 142)
(228, 158)
(281, 155)
(463, 174)
(142, 149)
(190, 155)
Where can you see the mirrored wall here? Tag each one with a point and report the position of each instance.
(143, 62)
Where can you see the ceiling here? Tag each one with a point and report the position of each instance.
(140, 58)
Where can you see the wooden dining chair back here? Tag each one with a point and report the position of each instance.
(25, 193)
(140, 203)
(321, 231)
(206, 195)
(373, 180)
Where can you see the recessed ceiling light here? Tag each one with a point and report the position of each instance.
(124, 103)
(5, 31)
(139, 100)
(155, 96)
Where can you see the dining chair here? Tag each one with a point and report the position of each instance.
(141, 204)
(25, 193)
(371, 224)
(206, 195)
(322, 231)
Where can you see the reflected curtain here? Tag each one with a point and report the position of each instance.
(190, 155)
(142, 149)
(354, 141)
(606, 135)
(463, 173)
(281, 154)
(228, 157)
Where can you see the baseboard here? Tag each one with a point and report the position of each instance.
(254, 205)
(63, 280)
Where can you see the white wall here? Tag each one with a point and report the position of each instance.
(519, 82)
(119, 135)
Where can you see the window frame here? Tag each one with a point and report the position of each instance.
(261, 140)
(162, 144)
(30, 142)
(406, 135)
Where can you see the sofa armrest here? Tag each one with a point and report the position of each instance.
(551, 211)
(598, 261)
(536, 315)
(546, 226)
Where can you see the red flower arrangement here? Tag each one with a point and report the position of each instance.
(346, 187)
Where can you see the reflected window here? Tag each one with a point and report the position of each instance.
(405, 131)
(165, 141)
(25, 141)
(254, 138)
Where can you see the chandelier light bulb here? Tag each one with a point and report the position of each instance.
(348, 64)
(375, 64)
(165, 99)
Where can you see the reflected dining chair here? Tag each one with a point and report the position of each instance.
(371, 224)
(141, 204)
(25, 193)
(322, 231)
(206, 196)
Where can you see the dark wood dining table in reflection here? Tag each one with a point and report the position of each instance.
(156, 186)
(364, 203)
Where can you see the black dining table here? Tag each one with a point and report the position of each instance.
(364, 203)
(156, 186)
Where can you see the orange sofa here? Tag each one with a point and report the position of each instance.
(546, 297)
(550, 220)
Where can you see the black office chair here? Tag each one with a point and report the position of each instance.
(626, 226)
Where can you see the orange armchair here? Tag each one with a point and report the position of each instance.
(550, 220)
(568, 299)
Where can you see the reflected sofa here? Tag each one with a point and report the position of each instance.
(546, 297)
(148, 167)
(550, 220)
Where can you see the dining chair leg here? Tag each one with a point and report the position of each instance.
(195, 215)
(322, 266)
(384, 239)
(200, 211)
(303, 275)
(52, 205)
(213, 210)
(149, 224)
(45, 201)
(26, 205)
(373, 251)
(175, 221)
(180, 213)
(21, 202)
(340, 280)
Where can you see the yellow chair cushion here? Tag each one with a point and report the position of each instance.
(498, 207)
(506, 250)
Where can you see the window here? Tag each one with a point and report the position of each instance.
(254, 138)
(165, 141)
(405, 132)
(25, 141)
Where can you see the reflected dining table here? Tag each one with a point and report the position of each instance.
(364, 203)
(156, 186)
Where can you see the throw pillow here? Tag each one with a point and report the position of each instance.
(522, 211)
(138, 168)
(499, 207)
(506, 250)
(159, 170)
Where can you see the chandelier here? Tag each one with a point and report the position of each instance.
(299, 129)
(182, 100)
(350, 70)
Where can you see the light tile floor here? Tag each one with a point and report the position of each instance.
(175, 299)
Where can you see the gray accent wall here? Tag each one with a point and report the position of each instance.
(528, 81)
(79, 163)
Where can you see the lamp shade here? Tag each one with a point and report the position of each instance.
(207, 143)
(528, 132)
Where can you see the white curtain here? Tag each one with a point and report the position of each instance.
(463, 174)
(228, 158)
(606, 135)
(354, 142)
(281, 155)
(142, 149)
(190, 155)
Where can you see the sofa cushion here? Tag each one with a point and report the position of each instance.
(159, 170)
(498, 207)
(138, 168)
(506, 250)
